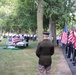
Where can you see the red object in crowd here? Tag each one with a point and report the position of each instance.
(70, 38)
(75, 38)
(16, 39)
(64, 36)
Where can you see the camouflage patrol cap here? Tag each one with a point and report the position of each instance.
(46, 33)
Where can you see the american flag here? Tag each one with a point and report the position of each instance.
(64, 35)
(15, 40)
(75, 38)
(71, 36)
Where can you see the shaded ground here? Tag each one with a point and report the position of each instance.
(62, 66)
(72, 68)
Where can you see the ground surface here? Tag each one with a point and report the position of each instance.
(62, 66)
(71, 66)
(25, 62)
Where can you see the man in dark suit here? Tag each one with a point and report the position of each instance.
(45, 50)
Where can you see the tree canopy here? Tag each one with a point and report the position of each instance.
(21, 15)
(60, 11)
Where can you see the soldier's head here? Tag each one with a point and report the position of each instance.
(45, 35)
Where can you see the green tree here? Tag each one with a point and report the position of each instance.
(26, 13)
(58, 10)
(19, 15)
(7, 8)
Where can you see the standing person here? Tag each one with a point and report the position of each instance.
(64, 38)
(74, 52)
(45, 50)
(70, 45)
(57, 39)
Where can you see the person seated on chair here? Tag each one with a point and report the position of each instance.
(9, 42)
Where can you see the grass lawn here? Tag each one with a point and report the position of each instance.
(22, 62)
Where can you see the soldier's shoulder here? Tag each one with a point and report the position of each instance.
(40, 42)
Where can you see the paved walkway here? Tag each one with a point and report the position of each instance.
(63, 67)
(72, 67)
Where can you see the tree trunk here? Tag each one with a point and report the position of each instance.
(54, 32)
(40, 20)
(50, 29)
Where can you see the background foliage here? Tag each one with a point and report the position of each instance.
(21, 15)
